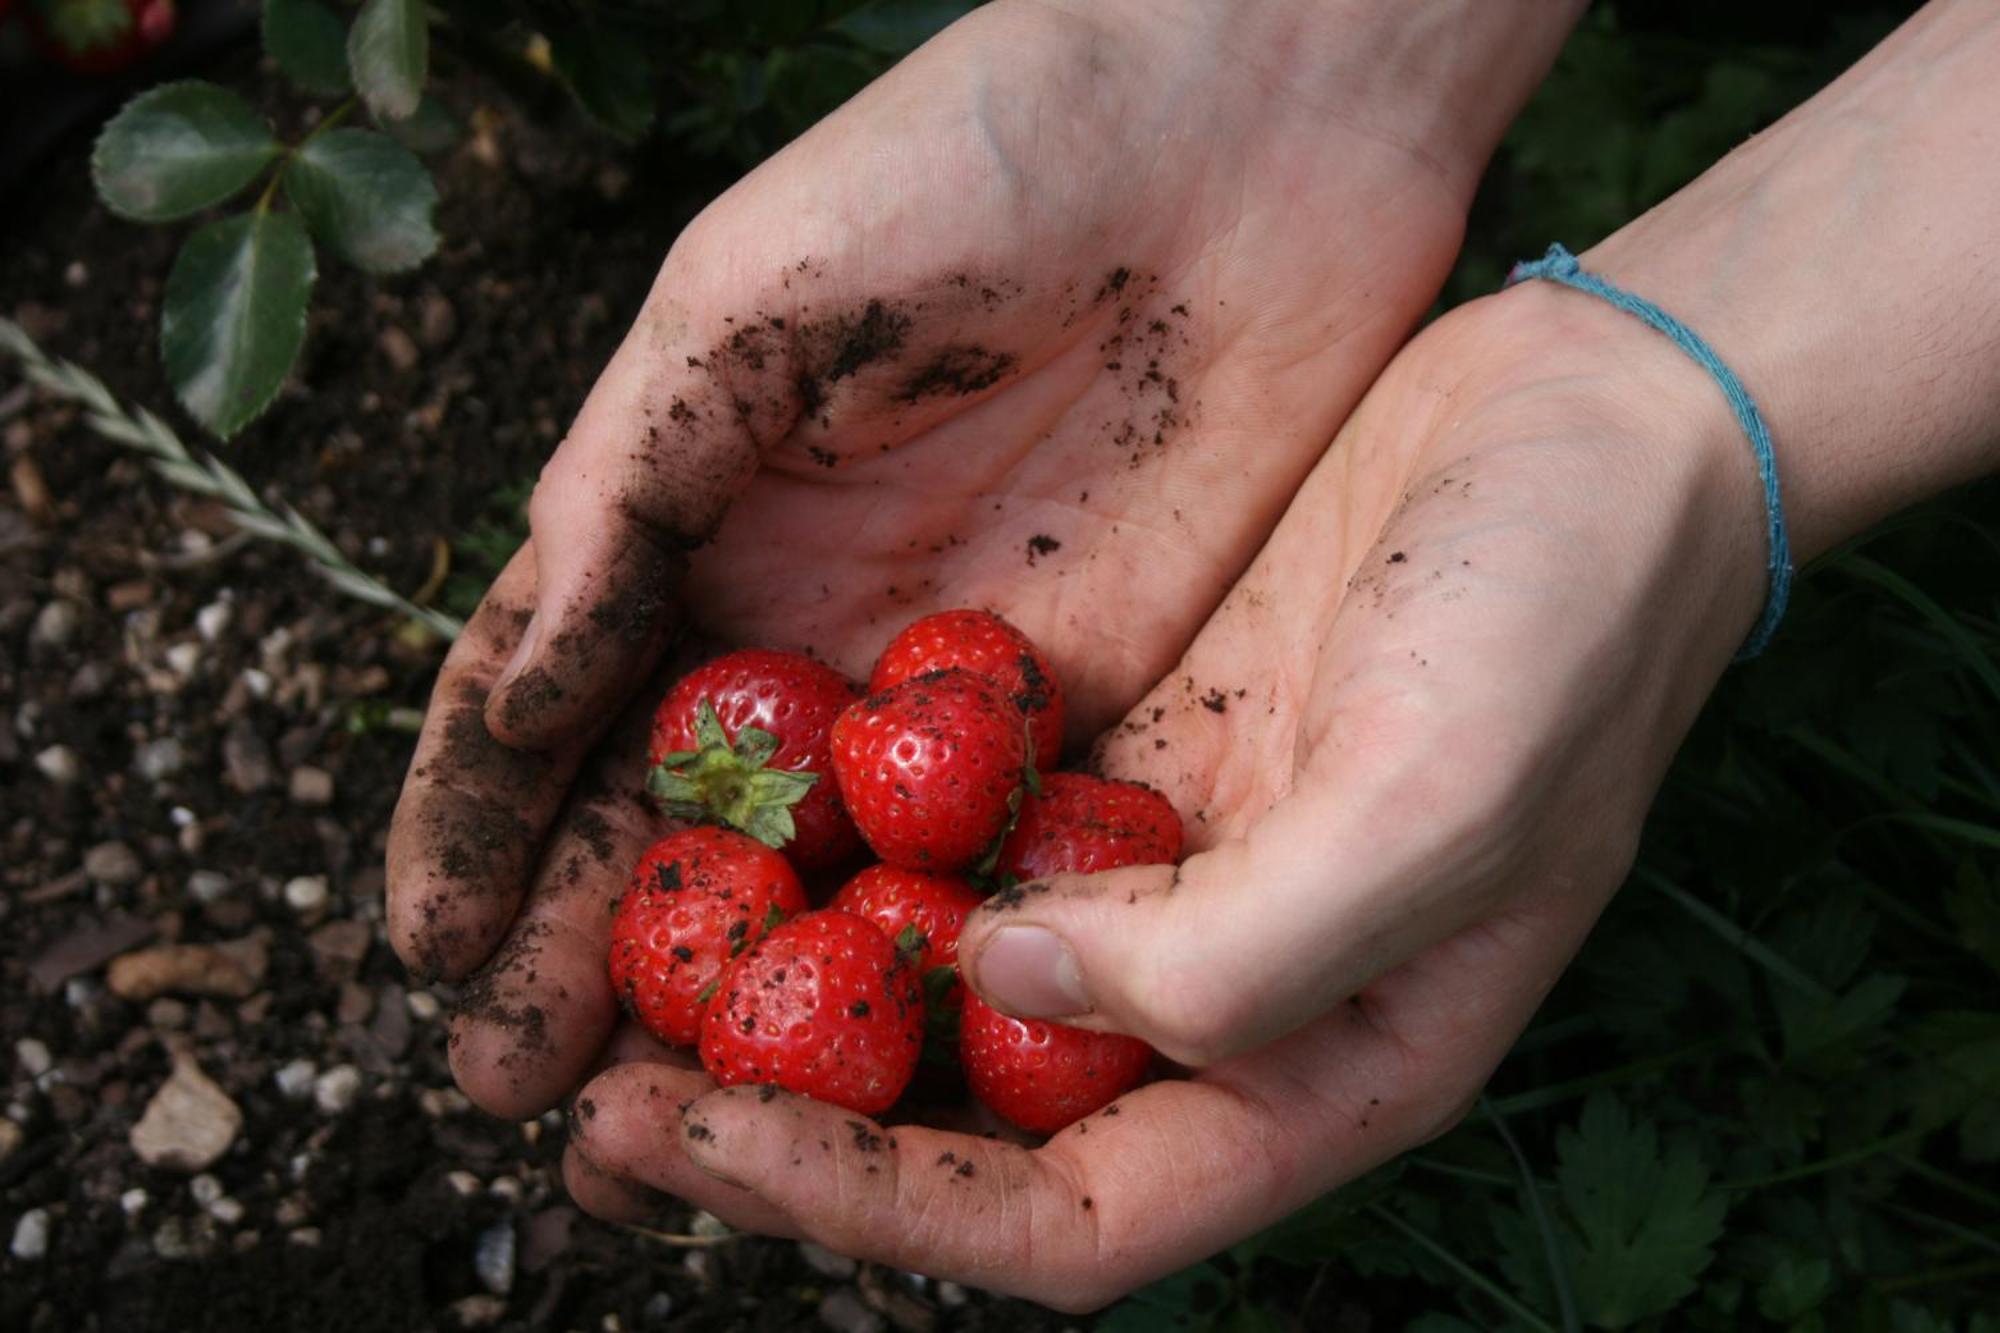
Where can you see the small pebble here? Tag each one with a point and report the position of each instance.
(707, 1224)
(134, 1201)
(825, 1262)
(295, 1080)
(506, 1187)
(306, 894)
(424, 1006)
(658, 1309)
(951, 1295)
(308, 1236)
(493, 1257)
(398, 347)
(31, 1235)
(156, 761)
(205, 1189)
(437, 1103)
(183, 659)
(11, 1137)
(55, 625)
(207, 886)
(213, 619)
(167, 1014)
(311, 786)
(59, 765)
(481, 1311)
(844, 1312)
(335, 1090)
(291, 1211)
(463, 1183)
(33, 1057)
(226, 1211)
(113, 863)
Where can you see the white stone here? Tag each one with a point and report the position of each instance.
(59, 765)
(257, 682)
(55, 624)
(335, 1090)
(33, 1056)
(493, 1257)
(156, 761)
(464, 1183)
(134, 1201)
(213, 619)
(295, 1079)
(183, 658)
(308, 1236)
(311, 786)
(438, 1103)
(113, 863)
(424, 1006)
(306, 894)
(506, 1187)
(207, 886)
(189, 1123)
(31, 1235)
(226, 1211)
(204, 1189)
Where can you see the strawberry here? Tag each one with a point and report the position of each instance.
(1079, 824)
(826, 1006)
(100, 36)
(932, 768)
(1043, 1076)
(697, 898)
(745, 741)
(896, 899)
(985, 645)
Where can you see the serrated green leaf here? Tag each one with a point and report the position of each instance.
(389, 52)
(609, 73)
(1643, 1220)
(432, 128)
(366, 197)
(178, 149)
(893, 27)
(309, 43)
(1794, 1288)
(235, 315)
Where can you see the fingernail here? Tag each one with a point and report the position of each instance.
(530, 637)
(1029, 971)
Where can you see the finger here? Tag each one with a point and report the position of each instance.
(608, 1197)
(470, 819)
(531, 1024)
(628, 1122)
(1167, 1174)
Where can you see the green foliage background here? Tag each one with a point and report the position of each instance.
(1768, 1094)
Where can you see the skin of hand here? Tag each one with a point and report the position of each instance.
(1417, 741)
(1052, 319)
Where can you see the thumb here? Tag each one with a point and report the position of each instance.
(651, 465)
(1251, 938)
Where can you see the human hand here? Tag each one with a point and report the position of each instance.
(1052, 319)
(1464, 659)
(1413, 749)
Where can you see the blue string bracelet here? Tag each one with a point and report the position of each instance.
(1559, 265)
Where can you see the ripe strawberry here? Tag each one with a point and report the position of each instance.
(825, 1005)
(922, 914)
(1080, 824)
(985, 645)
(99, 36)
(697, 898)
(931, 769)
(896, 899)
(745, 741)
(1043, 1076)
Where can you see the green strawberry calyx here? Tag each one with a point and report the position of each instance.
(720, 781)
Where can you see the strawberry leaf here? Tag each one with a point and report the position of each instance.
(235, 315)
(366, 197)
(309, 43)
(177, 149)
(389, 51)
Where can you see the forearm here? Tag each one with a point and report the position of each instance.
(1844, 263)
(1443, 78)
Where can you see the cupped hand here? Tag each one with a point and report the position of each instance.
(1052, 320)
(1414, 747)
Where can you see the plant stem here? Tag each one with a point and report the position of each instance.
(1457, 1265)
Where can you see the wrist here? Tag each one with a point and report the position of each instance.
(1440, 78)
(1837, 264)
